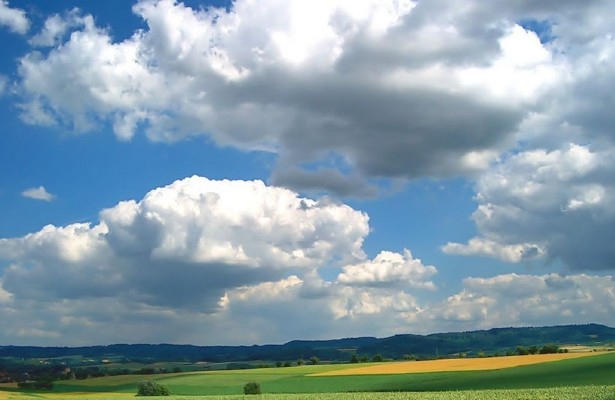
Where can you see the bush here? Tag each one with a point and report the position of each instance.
(252, 388)
(151, 388)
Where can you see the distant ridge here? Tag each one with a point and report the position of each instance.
(496, 340)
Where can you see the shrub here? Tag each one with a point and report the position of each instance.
(151, 388)
(252, 388)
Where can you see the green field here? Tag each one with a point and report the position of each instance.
(595, 375)
(563, 393)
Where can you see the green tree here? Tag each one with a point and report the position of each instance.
(354, 359)
(314, 360)
(377, 358)
(549, 349)
(533, 350)
(300, 361)
(252, 388)
(152, 388)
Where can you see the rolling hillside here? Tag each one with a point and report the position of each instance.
(395, 347)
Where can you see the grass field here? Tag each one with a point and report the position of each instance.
(558, 377)
(565, 393)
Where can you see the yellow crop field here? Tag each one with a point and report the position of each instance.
(454, 364)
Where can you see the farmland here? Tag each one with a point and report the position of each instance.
(565, 393)
(591, 377)
(456, 364)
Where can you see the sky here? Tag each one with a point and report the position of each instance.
(261, 171)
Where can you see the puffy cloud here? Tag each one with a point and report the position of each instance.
(39, 193)
(554, 203)
(104, 77)
(201, 255)
(213, 262)
(304, 81)
(203, 236)
(291, 309)
(527, 300)
(551, 194)
(13, 18)
(385, 89)
(389, 268)
(509, 253)
(56, 27)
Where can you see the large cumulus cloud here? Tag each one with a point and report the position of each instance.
(200, 235)
(207, 252)
(393, 89)
(554, 205)
(548, 197)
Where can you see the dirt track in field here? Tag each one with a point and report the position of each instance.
(455, 364)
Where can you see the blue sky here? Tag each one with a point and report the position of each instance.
(257, 172)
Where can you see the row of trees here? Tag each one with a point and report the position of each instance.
(356, 358)
(546, 349)
(312, 361)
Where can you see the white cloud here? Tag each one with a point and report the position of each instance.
(202, 255)
(527, 300)
(389, 268)
(201, 261)
(553, 191)
(289, 308)
(554, 203)
(386, 89)
(13, 18)
(279, 310)
(56, 27)
(205, 236)
(304, 81)
(39, 193)
(506, 252)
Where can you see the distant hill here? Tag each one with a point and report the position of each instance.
(490, 341)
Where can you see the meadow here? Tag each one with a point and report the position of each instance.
(579, 378)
